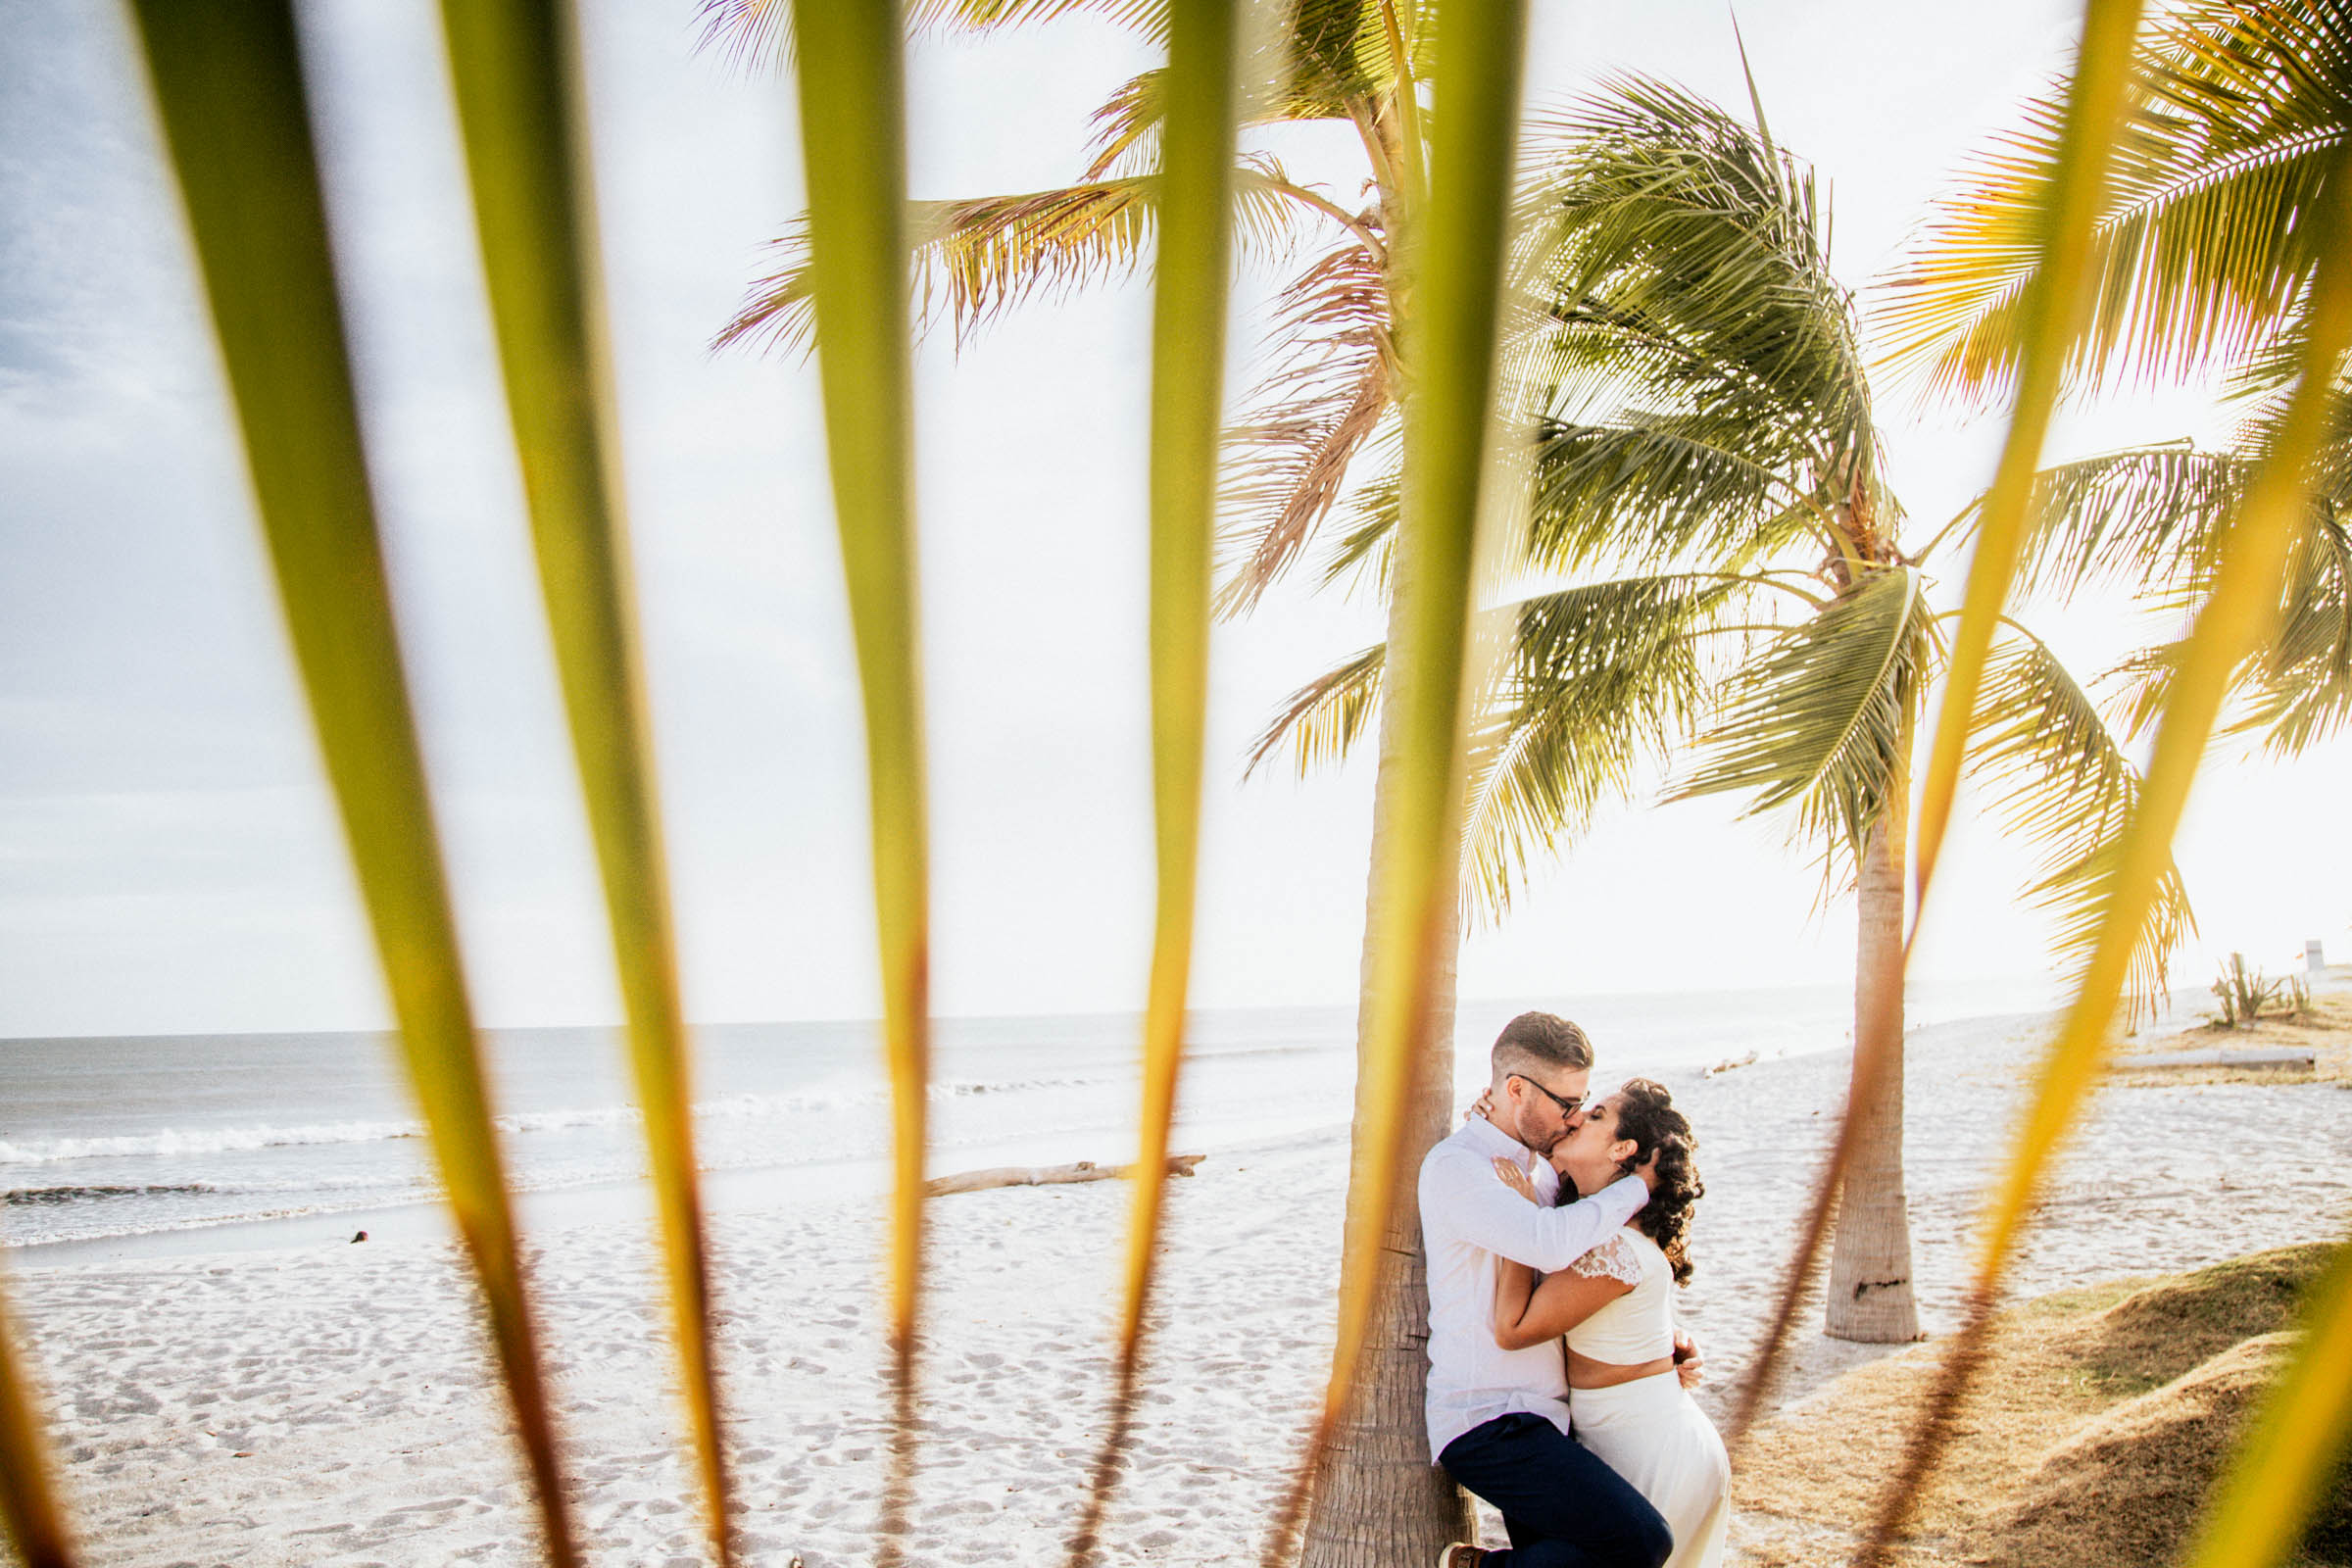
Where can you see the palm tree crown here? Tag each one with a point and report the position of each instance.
(1708, 475)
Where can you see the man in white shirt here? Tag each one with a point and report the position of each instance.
(1498, 1418)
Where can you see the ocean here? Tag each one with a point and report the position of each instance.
(146, 1144)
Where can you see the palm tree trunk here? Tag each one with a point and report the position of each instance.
(1380, 1498)
(1870, 1267)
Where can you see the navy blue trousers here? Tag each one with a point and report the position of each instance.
(1563, 1507)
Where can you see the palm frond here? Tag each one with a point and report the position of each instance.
(756, 33)
(28, 1505)
(1687, 262)
(2145, 518)
(2050, 309)
(514, 66)
(227, 81)
(1458, 247)
(977, 258)
(1321, 722)
(1328, 396)
(1147, 18)
(1187, 386)
(1820, 721)
(2059, 780)
(1366, 550)
(2300, 688)
(2202, 249)
(852, 144)
(1127, 128)
(1602, 683)
(2232, 624)
(1650, 488)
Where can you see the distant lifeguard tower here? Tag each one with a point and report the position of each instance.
(2315, 960)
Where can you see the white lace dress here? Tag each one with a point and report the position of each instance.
(1650, 1431)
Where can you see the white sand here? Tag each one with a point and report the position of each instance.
(330, 1406)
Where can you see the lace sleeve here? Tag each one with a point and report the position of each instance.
(1614, 1258)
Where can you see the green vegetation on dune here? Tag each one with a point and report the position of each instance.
(2101, 1418)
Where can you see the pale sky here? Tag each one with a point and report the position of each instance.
(168, 859)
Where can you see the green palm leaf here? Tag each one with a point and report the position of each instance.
(1657, 487)
(227, 80)
(1601, 682)
(27, 1495)
(2145, 518)
(2201, 250)
(2051, 308)
(756, 32)
(1456, 260)
(853, 145)
(1188, 385)
(2230, 626)
(516, 71)
(1819, 724)
(2302, 683)
(2058, 780)
(977, 258)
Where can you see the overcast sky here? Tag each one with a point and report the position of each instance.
(168, 859)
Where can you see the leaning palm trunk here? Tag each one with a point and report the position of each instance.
(1870, 1269)
(1379, 1496)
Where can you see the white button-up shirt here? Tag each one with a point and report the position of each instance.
(1469, 1218)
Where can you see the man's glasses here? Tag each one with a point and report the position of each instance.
(1568, 1108)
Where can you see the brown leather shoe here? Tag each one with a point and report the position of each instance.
(1459, 1556)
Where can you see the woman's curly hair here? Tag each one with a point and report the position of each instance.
(1645, 1114)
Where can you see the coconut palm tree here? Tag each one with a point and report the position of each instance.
(2237, 127)
(1717, 558)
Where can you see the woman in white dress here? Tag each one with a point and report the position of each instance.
(1615, 1308)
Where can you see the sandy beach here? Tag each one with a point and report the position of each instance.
(330, 1404)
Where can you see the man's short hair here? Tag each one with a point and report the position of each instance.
(1544, 1041)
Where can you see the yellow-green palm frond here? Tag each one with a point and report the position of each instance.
(2203, 247)
(1125, 139)
(514, 68)
(1328, 399)
(854, 151)
(2232, 624)
(1335, 55)
(1459, 243)
(975, 259)
(2058, 780)
(228, 86)
(1821, 722)
(1189, 318)
(28, 1507)
(1148, 18)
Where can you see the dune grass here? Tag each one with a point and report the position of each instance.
(2101, 1419)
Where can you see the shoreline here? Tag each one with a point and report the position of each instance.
(333, 1403)
(554, 1205)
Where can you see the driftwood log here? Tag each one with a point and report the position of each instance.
(1084, 1170)
(2256, 1057)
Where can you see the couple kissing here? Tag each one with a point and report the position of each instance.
(1555, 1224)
